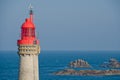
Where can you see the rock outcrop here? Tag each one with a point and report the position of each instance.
(88, 72)
(79, 64)
(112, 63)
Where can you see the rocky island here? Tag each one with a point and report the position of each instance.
(88, 72)
(79, 63)
(112, 63)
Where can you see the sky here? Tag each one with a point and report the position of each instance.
(63, 24)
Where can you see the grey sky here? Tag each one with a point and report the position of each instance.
(63, 24)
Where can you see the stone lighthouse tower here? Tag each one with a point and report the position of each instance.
(28, 50)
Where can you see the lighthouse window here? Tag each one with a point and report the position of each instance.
(28, 32)
(33, 32)
(24, 32)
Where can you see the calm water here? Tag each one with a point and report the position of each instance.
(51, 61)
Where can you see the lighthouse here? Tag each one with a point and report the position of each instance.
(28, 50)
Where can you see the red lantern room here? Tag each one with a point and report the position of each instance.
(28, 32)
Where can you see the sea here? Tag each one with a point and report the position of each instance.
(52, 61)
